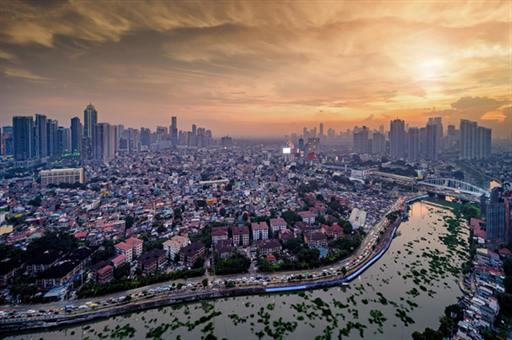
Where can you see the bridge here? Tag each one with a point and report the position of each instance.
(454, 185)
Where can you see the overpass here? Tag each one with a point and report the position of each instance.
(454, 185)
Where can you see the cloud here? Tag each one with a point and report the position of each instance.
(21, 73)
(5, 55)
(242, 62)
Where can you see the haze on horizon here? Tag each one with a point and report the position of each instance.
(258, 68)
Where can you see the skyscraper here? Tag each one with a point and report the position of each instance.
(378, 143)
(431, 141)
(475, 141)
(22, 130)
(90, 121)
(174, 131)
(413, 143)
(361, 141)
(397, 139)
(321, 129)
(76, 135)
(52, 140)
(41, 138)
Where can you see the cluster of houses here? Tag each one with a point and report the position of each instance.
(480, 304)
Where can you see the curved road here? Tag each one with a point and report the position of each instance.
(62, 304)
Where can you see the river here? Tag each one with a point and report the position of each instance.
(406, 290)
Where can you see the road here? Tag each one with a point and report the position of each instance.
(253, 271)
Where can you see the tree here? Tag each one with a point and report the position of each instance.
(457, 310)
(128, 222)
(293, 245)
(205, 282)
(95, 188)
(320, 197)
(199, 263)
(122, 271)
(161, 229)
(177, 257)
(222, 211)
(309, 256)
(344, 270)
(36, 202)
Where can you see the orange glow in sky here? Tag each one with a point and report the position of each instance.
(258, 68)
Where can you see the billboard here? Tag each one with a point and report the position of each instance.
(287, 150)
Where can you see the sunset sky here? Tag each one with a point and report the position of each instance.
(258, 67)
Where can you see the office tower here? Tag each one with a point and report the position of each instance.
(64, 140)
(497, 222)
(475, 141)
(144, 136)
(361, 141)
(90, 121)
(305, 133)
(161, 133)
(76, 135)
(120, 129)
(101, 143)
(174, 131)
(413, 143)
(451, 130)
(226, 141)
(8, 129)
(423, 141)
(483, 147)
(432, 141)
(41, 138)
(321, 129)
(378, 143)
(397, 139)
(22, 136)
(301, 144)
(438, 122)
(313, 146)
(52, 140)
(381, 129)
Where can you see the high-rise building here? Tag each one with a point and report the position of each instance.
(438, 121)
(52, 141)
(90, 121)
(475, 141)
(397, 139)
(301, 144)
(423, 141)
(431, 141)
(451, 130)
(313, 146)
(41, 138)
(361, 143)
(174, 131)
(413, 143)
(22, 136)
(226, 141)
(76, 135)
(321, 129)
(64, 140)
(378, 143)
(144, 136)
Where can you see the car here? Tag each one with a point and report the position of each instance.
(56, 312)
(83, 307)
(93, 305)
(31, 311)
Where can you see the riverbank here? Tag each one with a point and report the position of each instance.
(33, 324)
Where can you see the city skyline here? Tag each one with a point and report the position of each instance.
(257, 70)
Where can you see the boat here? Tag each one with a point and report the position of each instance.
(345, 283)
